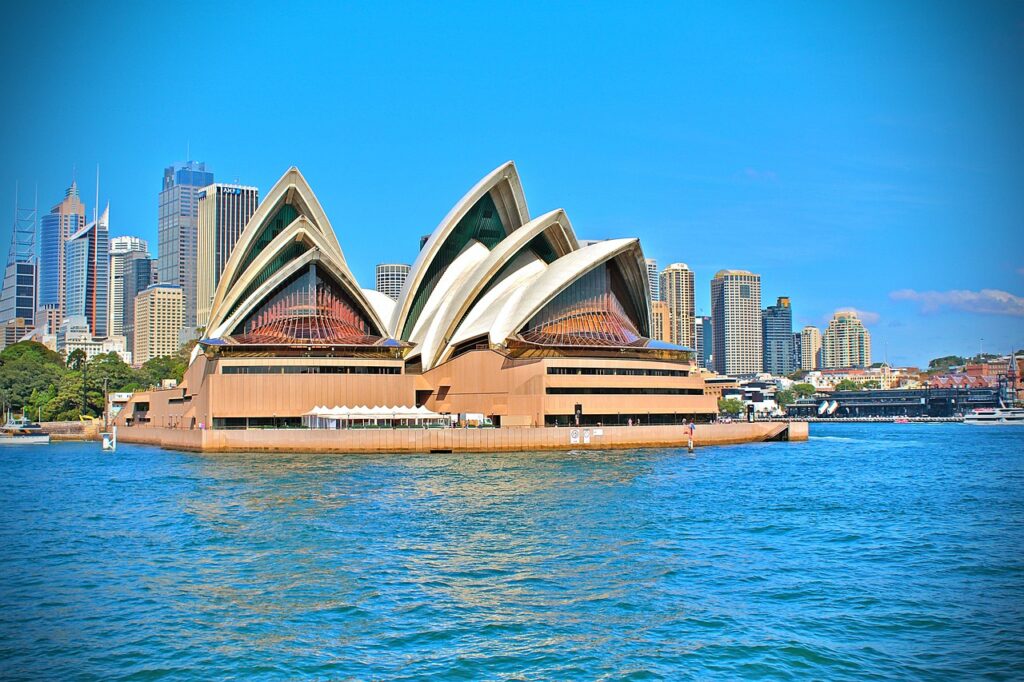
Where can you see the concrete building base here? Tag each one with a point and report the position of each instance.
(459, 440)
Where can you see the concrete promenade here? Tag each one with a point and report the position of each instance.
(459, 440)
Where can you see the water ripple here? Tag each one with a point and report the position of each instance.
(861, 553)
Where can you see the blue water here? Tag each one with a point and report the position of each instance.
(886, 551)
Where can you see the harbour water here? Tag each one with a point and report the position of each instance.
(872, 550)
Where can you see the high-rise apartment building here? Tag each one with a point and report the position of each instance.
(87, 259)
(676, 289)
(736, 321)
(661, 321)
(139, 274)
(159, 312)
(705, 340)
(810, 348)
(847, 342)
(122, 250)
(777, 337)
(177, 230)
(223, 211)
(653, 280)
(391, 278)
(63, 220)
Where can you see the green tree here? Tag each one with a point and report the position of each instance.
(944, 363)
(847, 385)
(731, 406)
(874, 383)
(28, 372)
(785, 396)
(164, 367)
(66, 405)
(804, 390)
(798, 375)
(77, 359)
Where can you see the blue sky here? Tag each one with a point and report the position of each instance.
(866, 155)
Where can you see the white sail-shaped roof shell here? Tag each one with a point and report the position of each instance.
(505, 189)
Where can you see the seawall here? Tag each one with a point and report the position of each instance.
(460, 440)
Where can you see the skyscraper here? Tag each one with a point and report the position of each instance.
(661, 321)
(87, 259)
(391, 278)
(810, 348)
(121, 251)
(777, 337)
(705, 340)
(63, 220)
(139, 275)
(846, 343)
(223, 211)
(652, 279)
(736, 320)
(158, 319)
(18, 298)
(676, 289)
(177, 230)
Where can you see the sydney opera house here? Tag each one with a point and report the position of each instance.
(503, 314)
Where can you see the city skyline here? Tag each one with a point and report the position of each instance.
(837, 199)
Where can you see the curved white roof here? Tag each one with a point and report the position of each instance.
(504, 186)
(453, 308)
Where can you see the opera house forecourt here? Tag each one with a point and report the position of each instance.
(504, 316)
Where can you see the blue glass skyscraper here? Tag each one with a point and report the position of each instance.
(63, 220)
(178, 228)
(87, 259)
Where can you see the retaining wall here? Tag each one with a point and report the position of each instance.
(458, 440)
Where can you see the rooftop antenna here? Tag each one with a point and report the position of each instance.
(96, 208)
(188, 150)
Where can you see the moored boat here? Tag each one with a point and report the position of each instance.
(995, 415)
(21, 431)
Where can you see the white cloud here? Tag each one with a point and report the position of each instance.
(986, 301)
(866, 316)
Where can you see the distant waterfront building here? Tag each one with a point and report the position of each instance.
(139, 274)
(810, 348)
(736, 320)
(223, 211)
(705, 340)
(391, 278)
(12, 331)
(846, 343)
(122, 250)
(63, 220)
(75, 333)
(661, 321)
(159, 311)
(87, 258)
(652, 279)
(677, 290)
(177, 230)
(777, 337)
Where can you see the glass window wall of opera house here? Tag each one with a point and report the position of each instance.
(503, 315)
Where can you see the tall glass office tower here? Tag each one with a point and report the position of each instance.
(87, 258)
(777, 338)
(177, 230)
(63, 220)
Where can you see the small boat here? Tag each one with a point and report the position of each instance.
(901, 420)
(21, 431)
(995, 415)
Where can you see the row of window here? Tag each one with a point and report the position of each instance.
(309, 369)
(621, 390)
(619, 371)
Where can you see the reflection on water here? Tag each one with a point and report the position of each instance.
(861, 552)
